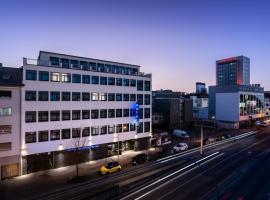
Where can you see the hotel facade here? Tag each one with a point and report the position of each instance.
(70, 104)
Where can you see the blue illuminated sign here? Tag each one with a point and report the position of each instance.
(83, 148)
(135, 113)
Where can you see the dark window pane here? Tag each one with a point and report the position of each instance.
(65, 115)
(76, 96)
(86, 79)
(64, 63)
(65, 133)
(111, 81)
(103, 80)
(55, 134)
(65, 96)
(31, 75)
(43, 76)
(30, 116)
(30, 96)
(43, 136)
(86, 114)
(43, 116)
(55, 115)
(86, 96)
(43, 96)
(94, 114)
(76, 78)
(76, 114)
(95, 80)
(30, 137)
(55, 96)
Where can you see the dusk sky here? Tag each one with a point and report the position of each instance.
(177, 41)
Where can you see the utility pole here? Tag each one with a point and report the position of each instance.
(118, 147)
(201, 150)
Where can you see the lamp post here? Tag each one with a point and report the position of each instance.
(201, 150)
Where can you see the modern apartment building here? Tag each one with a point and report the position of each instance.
(10, 113)
(102, 107)
(233, 71)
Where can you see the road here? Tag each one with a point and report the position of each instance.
(182, 176)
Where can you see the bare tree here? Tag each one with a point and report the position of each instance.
(76, 145)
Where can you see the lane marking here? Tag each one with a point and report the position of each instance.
(168, 176)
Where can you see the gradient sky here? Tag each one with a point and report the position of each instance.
(177, 41)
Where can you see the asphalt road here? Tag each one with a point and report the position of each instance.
(182, 176)
(243, 166)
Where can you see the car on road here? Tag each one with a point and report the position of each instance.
(139, 159)
(181, 134)
(110, 168)
(180, 147)
(265, 124)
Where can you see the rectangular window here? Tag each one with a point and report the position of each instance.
(147, 86)
(55, 135)
(65, 133)
(93, 66)
(30, 137)
(31, 75)
(111, 129)
(103, 130)
(95, 80)
(111, 113)
(103, 96)
(76, 132)
(94, 114)
(118, 97)
(125, 127)
(133, 83)
(64, 63)
(5, 111)
(111, 81)
(43, 76)
(43, 136)
(65, 78)
(147, 113)
(43, 116)
(119, 82)
(76, 96)
(132, 97)
(65, 115)
(43, 96)
(5, 129)
(140, 128)
(86, 114)
(126, 97)
(111, 97)
(126, 113)
(86, 79)
(101, 67)
(76, 78)
(103, 80)
(30, 96)
(84, 65)
(54, 61)
(55, 115)
(94, 130)
(132, 127)
(118, 112)
(55, 77)
(125, 82)
(140, 113)
(55, 96)
(5, 94)
(140, 99)
(76, 114)
(95, 97)
(119, 128)
(65, 96)
(147, 99)
(6, 146)
(75, 64)
(146, 127)
(85, 96)
(103, 113)
(140, 85)
(86, 132)
(30, 116)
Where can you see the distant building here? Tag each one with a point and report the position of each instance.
(234, 105)
(10, 113)
(201, 88)
(267, 104)
(168, 109)
(233, 71)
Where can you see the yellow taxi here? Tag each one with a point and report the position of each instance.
(110, 168)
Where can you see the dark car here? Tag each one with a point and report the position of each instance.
(139, 159)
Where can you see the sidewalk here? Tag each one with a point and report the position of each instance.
(49, 180)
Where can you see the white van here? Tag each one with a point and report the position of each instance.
(180, 134)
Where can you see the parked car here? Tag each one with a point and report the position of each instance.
(208, 140)
(180, 147)
(258, 123)
(139, 159)
(110, 168)
(181, 134)
(265, 124)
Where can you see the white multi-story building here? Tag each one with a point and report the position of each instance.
(69, 101)
(267, 104)
(10, 113)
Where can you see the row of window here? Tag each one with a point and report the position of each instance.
(91, 66)
(86, 96)
(43, 136)
(54, 115)
(87, 79)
